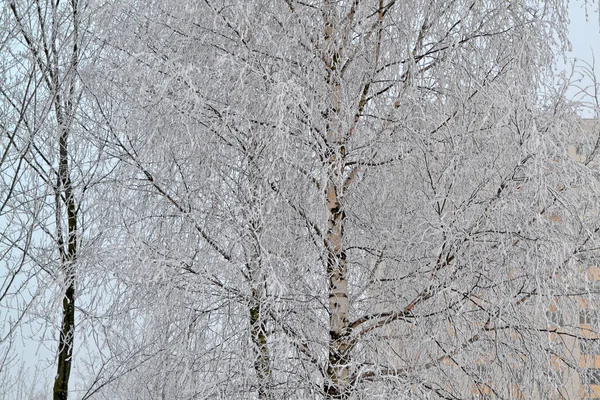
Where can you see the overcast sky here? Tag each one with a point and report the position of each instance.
(584, 33)
(584, 36)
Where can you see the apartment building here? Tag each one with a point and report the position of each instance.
(574, 369)
(578, 333)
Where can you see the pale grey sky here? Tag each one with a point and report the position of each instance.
(584, 35)
(584, 32)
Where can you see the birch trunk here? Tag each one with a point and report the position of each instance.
(338, 369)
(258, 325)
(65, 198)
(257, 280)
(337, 385)
(67, 330)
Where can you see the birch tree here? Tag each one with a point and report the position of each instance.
(342, 199)
(431, 171)
(60, 160)
(46, 50)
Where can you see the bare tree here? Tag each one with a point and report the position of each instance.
(336, 199)
(417, 178)
(48, 50)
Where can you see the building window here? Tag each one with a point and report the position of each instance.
(556, 377)
(588, 318)
(592, 279)
(555, 318)
(482, 372)
(583, 150)
(588, 346)
(592, 286)
(591, 376)
(518, 375)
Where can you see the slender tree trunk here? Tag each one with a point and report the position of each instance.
(337, 384)
(65, 345)
(256, 274)
(258, 327)
(46, 43)
(65, 108)
(69, 256)
(338, 369)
